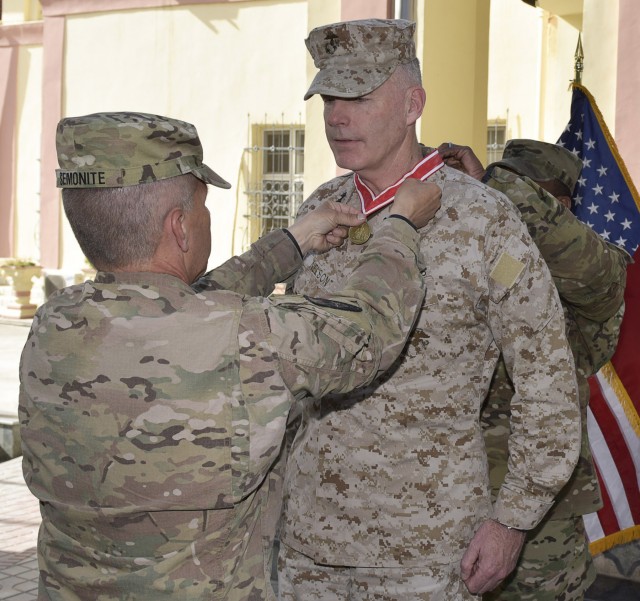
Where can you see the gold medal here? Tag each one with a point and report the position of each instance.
(360, 233)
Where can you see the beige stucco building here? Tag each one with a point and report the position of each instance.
(238, 69)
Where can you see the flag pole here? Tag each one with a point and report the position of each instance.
(579, 61)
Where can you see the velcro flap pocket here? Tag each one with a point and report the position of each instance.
(508, 268)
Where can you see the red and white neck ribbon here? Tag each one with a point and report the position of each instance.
(371, 203)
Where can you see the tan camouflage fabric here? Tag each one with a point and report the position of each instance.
(396, 474)
(152, 416)
(541, 161)
(125, 149)
(300, 579)
(356, 57)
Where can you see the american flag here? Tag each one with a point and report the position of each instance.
(606, 199)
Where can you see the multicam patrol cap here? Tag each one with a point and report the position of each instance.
(541, 161)
(115, 150)
(356, 57)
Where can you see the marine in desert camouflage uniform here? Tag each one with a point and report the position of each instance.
(386, 490)
(590, 275)
(153, 409)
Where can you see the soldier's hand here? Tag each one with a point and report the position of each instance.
(491, 556)
(417, 201)
(326, 227)
(461, 158)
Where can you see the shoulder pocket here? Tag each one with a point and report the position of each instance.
(349, 327)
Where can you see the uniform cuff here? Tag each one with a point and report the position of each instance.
(396, 216)
(295, 242)
(514, 510)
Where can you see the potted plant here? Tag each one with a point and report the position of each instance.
(18, 276)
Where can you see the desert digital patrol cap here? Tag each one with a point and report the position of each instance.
(356, 57)
(114, 150)
(541, 161)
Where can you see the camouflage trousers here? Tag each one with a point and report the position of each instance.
(555, 565)
(300, 579)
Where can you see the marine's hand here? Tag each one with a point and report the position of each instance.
(461, 158)
(324, 228)
(417, 201)
(491, 556)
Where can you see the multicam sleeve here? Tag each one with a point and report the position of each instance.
(589, 272)
(337, 343)
(598, 340)
(270, 260)
(528, 323)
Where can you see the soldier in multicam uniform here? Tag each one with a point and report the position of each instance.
(153, 408)
(590, 275)
(386, 491)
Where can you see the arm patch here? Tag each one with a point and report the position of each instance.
(507, 270)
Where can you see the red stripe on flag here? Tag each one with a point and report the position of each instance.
(617, 447)
(626, 360)
(598, 200)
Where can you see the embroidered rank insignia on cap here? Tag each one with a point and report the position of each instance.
(506, 270)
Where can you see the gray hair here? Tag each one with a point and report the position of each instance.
(411, 72)
(122, 227)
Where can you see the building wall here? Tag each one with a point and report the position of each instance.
(20, 122)
(600, 42)
(626, 122)
(454, 57)
(20, 119)
(12, 12)
(531, 66)
(559, 42)
(514, 67)
(27, 153)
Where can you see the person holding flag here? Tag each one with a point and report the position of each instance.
(607, 200)
(590, 275)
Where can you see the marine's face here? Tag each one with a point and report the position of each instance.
(366, 133)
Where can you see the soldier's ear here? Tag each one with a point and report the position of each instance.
(176, 228)
(565, 200)
(416, 99)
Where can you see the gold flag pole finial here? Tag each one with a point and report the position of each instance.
(579, 61)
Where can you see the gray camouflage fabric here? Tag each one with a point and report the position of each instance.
(590, 275)
(356, 57)
(152, 414)
(395, 474)
(126, 149)
(541, 161)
